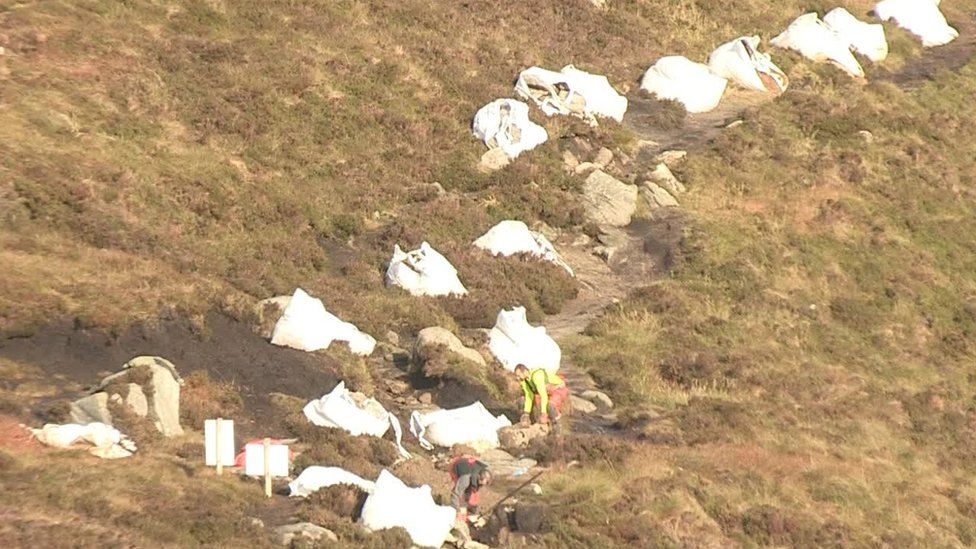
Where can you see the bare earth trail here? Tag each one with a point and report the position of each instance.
(644, 250)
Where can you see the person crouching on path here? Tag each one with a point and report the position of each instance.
(469, 476)
(545, 391)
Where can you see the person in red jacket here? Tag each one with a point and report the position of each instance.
(469, 476)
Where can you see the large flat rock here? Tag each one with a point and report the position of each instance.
(608, 201)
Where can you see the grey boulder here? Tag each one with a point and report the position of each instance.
(608, 201)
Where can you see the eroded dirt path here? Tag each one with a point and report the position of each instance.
(643, 252)
(697, 130)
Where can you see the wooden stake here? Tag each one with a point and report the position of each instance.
(267, 467)
(220, 461)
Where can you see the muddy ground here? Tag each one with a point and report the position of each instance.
(228, 350)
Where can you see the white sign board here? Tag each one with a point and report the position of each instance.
(226, 442)
(254, 459)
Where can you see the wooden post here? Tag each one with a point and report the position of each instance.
(267, 467)
(220, 461)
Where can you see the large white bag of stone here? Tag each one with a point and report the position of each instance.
(393, 504)
(512, 237)
(307, 326)
(505, 124)
(923, 18)
(741, 62)
(354, 413)
(692, 84)
(514, 341)
(864, 38)
(816, 41)
(471, 425)
(571, 91)
(316, 476)
(423, 271)
(106, 441)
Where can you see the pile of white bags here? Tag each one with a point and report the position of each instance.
(692, 84)
(471, 425)
(514, 341)
(505, 124)
(423, 272)
(307, 326)
(919, 17)
(741, 62)
(106, 441)
(571, 91)
(393, 504)
(316, 476)
(354, 413)
(816, 41)
(511, 237)
(864, 38)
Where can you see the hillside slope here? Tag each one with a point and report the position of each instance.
(799, 375)
(210, 154)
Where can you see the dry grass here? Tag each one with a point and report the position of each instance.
(204, 155)
(810, 357)
(55, 496)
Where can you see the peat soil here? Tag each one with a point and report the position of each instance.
(228, 350)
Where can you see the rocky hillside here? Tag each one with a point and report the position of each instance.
(787, 333)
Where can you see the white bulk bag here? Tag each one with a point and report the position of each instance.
(571, 91)
(919, 17)
(316, 476)
(106, 441)
(692, 84)
(354, 413)
(393, 504)
(505, 124)
(514, 341)
(741, 62)
(471, 425)
(816, 41)
(864, 38)
(512, 237)
(307, 326)
(423, 271)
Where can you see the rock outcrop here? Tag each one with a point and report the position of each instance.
(517, 438)
(663, 177)
(608, 201)
(302, 532)
(657, 197)
(598, 398)
(436, 339)
(493, 160)
(148, 386)
(582, 405)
